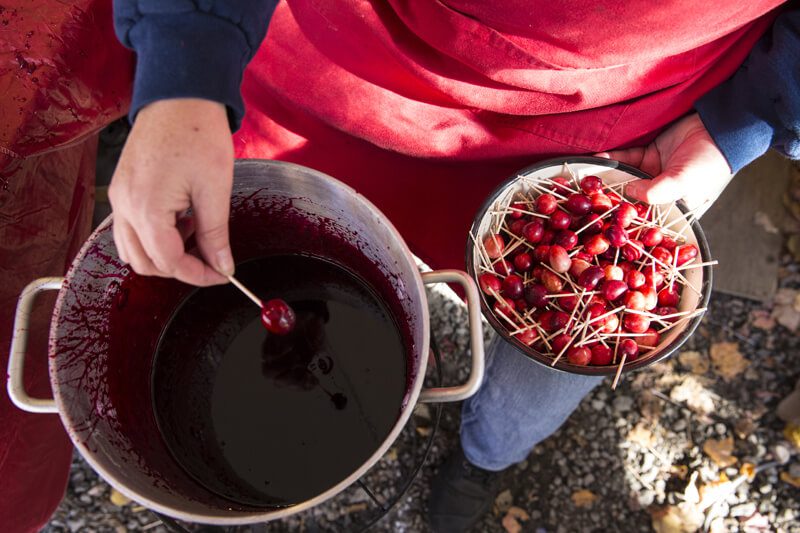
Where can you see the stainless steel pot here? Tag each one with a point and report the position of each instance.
(108, 320)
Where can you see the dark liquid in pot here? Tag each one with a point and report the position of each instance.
(268, 420)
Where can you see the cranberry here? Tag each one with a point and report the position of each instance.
(521, 305)
(591, 184)
(546, 321)
(596, 244)
(489, 282)
(533, 230)
(654, 279)
(494, 246)
(612, 324)
(578, 266)
(583, 256)
(504, 306)
(669, 243)
(617, 235)
(600, 202)
(512, 287)
(641, 209)
(595, 310)
(546, 204)
(635, 279)
(560, 220)
(560, 185)
(527, 336)
(592, 223)
(650, 339)
(578, 204)
(632, 251)
(579, 355)
(613, 272)
(503, 267)
(535, 295)
(601, 355)
(559, 259)
(626, 266)
(277, 317)
(664, 311)
(669, 297)
(650, 298)
(517, 226)
(523, 262)
(560, 342)
(590, 277)
(552, 282)
(613, 289)
(537, 271)
(558, 320)
(635, 300)
(652, 237)
(566, 238)
(547, 236)
(629, 348)
(686, 253)
(625, 214)
(517, 209)
(541, 253)
(568, 303)
(636, 323)
(662, 254)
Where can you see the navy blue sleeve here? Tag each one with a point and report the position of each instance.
(192, 48)
(759, 107)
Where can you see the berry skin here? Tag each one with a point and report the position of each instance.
(591, 184)
(546, 204)
(489, 282)
(277, 317)
(601, 355)
(579, 355)
(494, 246)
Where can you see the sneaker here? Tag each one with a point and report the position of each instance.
(461, 494)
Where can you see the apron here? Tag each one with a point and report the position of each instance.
(425, 107)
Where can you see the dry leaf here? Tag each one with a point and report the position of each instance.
(727, 360)
(583, 498)
(694, 361)
(790, 479)
(694, 395)
(787, 308)
(792, 434)
(641, 435)
(683, 518)
(118, 499)
(503, 501)
(744, 427)
(720, 451)
(511, 519)
(748, 470)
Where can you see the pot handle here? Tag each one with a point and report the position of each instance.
(19, 343)
(461, 392)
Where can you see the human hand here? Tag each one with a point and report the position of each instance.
(179, 154)
(684, 162)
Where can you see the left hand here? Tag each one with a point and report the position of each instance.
(685, 163)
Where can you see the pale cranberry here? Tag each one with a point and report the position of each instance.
(494, 246)
(578, 266)
(654, 279)
(559, 259)
(635, 323)
(650, 339)
(635, 279)
(635, 300)
(489, 282)
(611, 324)
(614, 272)
(552, 282)
(625, 214)
(600, 202)
(650, 298)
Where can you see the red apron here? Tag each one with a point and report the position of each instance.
(424, 107)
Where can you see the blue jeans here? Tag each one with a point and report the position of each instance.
(520, 403)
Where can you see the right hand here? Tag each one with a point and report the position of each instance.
(179, 154)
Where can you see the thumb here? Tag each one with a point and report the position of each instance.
(665, 188)
(211, 205)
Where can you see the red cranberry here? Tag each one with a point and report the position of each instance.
(669, 297)
(591, 184)
(560, 220)
(537, 271)
(494, 246)
(559, 342)
(632, 251)
(552, 282)
(533, 230)
(541, 253)
(641, 209)
(626, 266)
(636, 323)
(650, 339)
(596, 244)
(652, 237)
(650, 298)
(489, 282)
(590, 277)
(601, 355)
(546, 204)
(535, 295)
(617, 235)
(613, 289)
(547, 236)
(664, 311)
(546, 321)
(583, 256)
(517, 209)
(527, 336)
(517, 226)
(558, 320)
(662, 254)
(635, 279)
(503, 267)
(635, 300)
(559, 259)
(669, 243)
(592, 224)
(625, 214)
(523, 262)
(578, 266)
(600, 203)
(654, 279)
(277, 317)
(686, 253)
(568, 303)
(579, 355)
(521, 305)
(629, 348)
(566, 238)
(560, 185)
(504, 306)
(512, 287)
(578, 204)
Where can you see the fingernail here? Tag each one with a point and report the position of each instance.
(225, 262)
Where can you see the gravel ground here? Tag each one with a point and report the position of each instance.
(673, 449)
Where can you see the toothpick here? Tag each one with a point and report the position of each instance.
(619, 372)
(256, 300)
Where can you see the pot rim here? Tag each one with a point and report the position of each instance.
(269, 514)
(563, 365)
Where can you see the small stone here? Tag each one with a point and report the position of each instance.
(680, 425)
(781, 454)
(97, 490)
(76, 525)
(765, 489)
(744, 509)
(721, 429)
(588, 480)
(597, 405)
(622, 404)
(85, 498)
(794, 470)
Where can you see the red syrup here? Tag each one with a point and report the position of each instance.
(269, 420)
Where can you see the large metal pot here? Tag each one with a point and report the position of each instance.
(108, 320)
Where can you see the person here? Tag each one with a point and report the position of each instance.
(424, 107)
